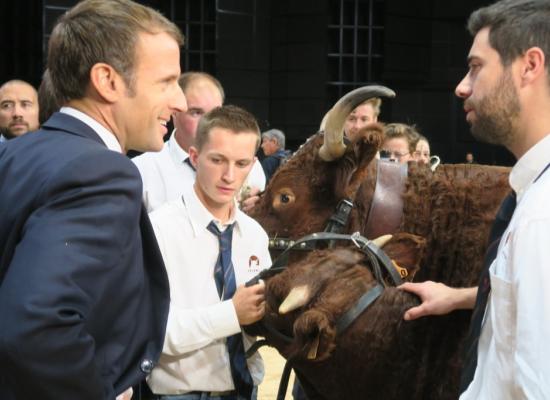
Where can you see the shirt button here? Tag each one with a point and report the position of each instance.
(146, 366)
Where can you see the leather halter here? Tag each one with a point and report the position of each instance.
(386, 208)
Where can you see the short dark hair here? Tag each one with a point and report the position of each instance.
(47, 99)
(229, 117)
(187, 78)
(96, 31)
(514, 27)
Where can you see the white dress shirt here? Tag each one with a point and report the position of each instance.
(165, 174)
(514, 346)
(195, 355)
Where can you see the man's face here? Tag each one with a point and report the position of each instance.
(142, 116)
(269, 146)
(490, 97)
(202, 96)
(358, 118)
(222, 166)
(469, 158)
(18, 109)
(396, 149)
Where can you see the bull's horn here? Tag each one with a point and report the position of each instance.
(297, 297)
(380, 241)
(333, 122)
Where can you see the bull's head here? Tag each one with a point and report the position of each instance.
(305, 191)
(326, 284)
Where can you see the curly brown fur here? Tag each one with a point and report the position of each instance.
(451, 209)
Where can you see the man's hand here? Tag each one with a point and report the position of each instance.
(249, 303)
(438, 299)
(249, 198)
(127, 395)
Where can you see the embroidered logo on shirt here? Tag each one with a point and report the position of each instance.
(253, 264)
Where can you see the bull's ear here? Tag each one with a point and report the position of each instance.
(406, 251)
(360, 152)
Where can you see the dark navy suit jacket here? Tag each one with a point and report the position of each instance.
(84, 294)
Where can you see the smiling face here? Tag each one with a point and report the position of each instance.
(142, 113)
(223, 163)
(18, 109)
(490, 97)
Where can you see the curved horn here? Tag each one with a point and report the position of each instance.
(297, 297)
(333, 122)
(380, 241)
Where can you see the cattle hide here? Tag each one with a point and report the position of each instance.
(375, 355)
(451, 208)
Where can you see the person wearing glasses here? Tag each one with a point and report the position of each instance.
(399, 143)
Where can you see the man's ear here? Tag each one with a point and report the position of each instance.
(533, 65)
(406, 251)
(193, 155)
(106, 82)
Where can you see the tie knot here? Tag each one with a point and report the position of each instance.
(224, 237)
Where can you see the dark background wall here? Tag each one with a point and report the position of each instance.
(287, 61)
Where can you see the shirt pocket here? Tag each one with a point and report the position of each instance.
(503, 317)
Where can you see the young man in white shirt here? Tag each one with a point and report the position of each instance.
(196, 363)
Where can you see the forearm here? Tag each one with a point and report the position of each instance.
(189, 329)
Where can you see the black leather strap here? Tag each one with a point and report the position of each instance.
(339, 219)
(283, 383)
(364, 301)
(367, 246)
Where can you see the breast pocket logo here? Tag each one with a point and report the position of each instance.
(253, 264)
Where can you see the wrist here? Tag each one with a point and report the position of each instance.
(465, 298)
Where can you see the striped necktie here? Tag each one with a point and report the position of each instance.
(224, 275)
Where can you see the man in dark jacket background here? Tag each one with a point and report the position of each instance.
(273, 146)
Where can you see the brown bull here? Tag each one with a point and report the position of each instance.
(380, 356)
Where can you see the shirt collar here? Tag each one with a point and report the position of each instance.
(200, 217)
(529, 166)
(107, 136)
(176, 151)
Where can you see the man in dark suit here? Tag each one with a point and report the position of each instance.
(83, 290)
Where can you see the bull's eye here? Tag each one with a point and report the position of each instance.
(284, 198)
